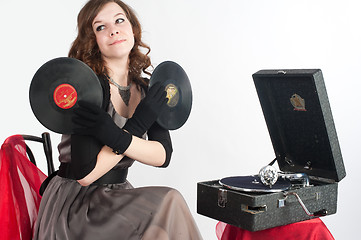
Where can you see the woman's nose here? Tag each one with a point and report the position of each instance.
(112, 33)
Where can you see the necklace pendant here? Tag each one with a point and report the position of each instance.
(125, 95)
(124, 92)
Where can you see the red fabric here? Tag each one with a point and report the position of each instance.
(20, 181)
(313, 229)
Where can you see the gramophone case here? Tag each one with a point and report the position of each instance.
(300, 123)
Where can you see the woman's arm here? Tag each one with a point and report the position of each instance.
(147, 152)
(105, 161)
(92, 120)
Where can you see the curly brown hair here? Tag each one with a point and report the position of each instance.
(86, 49)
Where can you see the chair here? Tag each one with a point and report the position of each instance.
(20, 183)
(45, 140)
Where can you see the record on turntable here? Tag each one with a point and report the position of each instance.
(179, 93)
(268, 180)
(254, 184)
(56, 88)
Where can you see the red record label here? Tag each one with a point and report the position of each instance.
(65, 96)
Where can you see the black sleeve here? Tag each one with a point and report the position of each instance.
(85, 149)
(159, 134)
(84, 152)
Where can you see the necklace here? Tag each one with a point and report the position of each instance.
(124, 92)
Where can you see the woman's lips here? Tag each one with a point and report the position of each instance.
(118, 41)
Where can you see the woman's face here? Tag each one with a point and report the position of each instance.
(113, 32)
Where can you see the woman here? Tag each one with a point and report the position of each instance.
(90, 198)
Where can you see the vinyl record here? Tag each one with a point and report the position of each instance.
(179, 92)
(56, 88)
(253, 184)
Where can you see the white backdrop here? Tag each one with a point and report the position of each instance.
(220, 44)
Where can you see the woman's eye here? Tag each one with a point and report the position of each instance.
(99, 28)
(119, 20)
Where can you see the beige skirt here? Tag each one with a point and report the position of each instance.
(69, 211)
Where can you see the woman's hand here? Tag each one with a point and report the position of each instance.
(92, 120)
(147, 111)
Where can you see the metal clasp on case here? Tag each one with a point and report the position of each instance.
(222, 198)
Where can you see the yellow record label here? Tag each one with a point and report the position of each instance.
(172, 95)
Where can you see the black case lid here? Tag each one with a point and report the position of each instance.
(300, 123)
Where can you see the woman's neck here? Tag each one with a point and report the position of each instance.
(118, 71)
